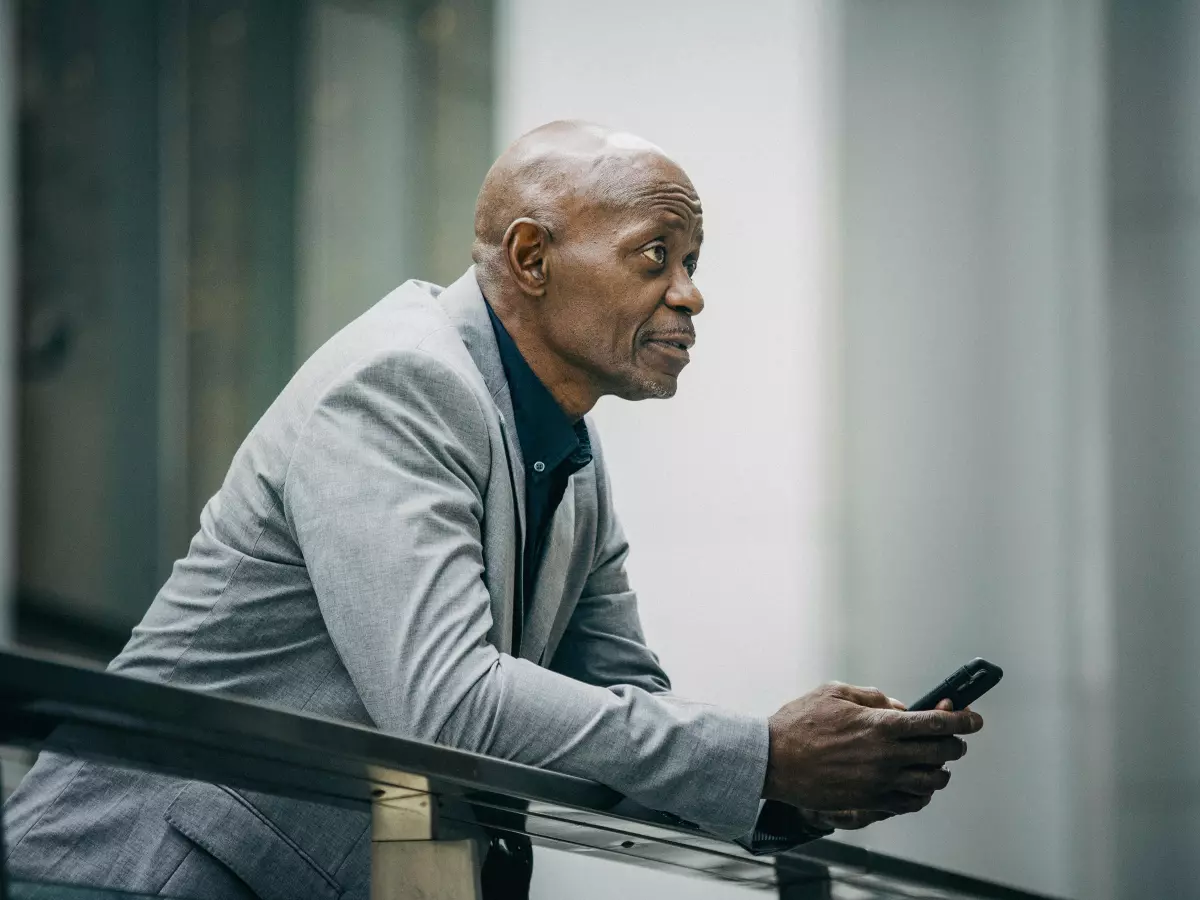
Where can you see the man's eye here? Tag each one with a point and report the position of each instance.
(690, 265)
(656, 254)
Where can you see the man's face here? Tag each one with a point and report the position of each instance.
(619, 297)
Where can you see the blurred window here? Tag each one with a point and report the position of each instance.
(208, 190)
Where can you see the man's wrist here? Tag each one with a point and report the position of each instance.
(770, 787)
(780, 827)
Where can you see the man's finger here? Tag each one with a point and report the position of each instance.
(896, 704)
(865, 696)
(900, 802)
(935, 723)
(930, 751)
(945, 705)
(922, 781)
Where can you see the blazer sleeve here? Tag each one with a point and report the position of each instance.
(385, 498)
(603, 642)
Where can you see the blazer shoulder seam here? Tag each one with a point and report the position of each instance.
(359, 362)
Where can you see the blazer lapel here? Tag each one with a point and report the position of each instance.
(465, 306)
(516, 462)
(516, 475)
(551, 579)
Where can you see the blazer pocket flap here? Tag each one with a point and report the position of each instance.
(227, 827)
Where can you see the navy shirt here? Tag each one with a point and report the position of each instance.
(553, 448)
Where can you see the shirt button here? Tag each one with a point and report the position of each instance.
(539, 466)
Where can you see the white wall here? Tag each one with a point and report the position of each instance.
(719, 488)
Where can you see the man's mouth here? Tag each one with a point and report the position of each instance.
(678, 345)
(671, 349)
(679, 340)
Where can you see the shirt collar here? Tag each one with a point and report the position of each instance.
(547, 436)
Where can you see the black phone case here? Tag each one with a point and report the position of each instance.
(964, 687)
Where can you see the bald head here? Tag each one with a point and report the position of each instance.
(558, 171)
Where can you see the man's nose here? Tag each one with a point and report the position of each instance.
(683, 295)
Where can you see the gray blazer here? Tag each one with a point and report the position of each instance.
(361, 562)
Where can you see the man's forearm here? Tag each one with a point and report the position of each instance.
(698, 761)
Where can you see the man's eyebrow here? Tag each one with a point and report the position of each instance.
(672, 221)
(664, 219)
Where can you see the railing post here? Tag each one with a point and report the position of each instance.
(818, 890)
(802, 879)
(408, 862)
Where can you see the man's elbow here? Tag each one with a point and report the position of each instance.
(463, 713)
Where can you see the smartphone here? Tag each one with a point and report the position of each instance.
(964, 687)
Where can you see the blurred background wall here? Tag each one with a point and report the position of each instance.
(971, 172)
(1154, 221)
(943, 402)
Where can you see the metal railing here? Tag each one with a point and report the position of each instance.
(411, 787)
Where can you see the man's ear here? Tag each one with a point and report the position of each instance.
(525, 244)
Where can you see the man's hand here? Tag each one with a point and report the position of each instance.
(843, 748)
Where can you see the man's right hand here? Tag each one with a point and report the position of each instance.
(843, 747)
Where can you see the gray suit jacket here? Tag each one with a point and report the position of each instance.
(361, 562)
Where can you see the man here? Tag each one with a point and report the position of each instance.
(419, 535)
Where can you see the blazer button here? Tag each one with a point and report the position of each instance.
(539, 466)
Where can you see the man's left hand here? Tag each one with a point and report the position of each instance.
(853, 819)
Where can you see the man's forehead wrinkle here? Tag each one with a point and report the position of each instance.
(671, 192)
(677, 203)
(675, 213)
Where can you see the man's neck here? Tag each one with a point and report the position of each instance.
(565, 383)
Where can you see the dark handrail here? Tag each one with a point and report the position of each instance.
(209, 737)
